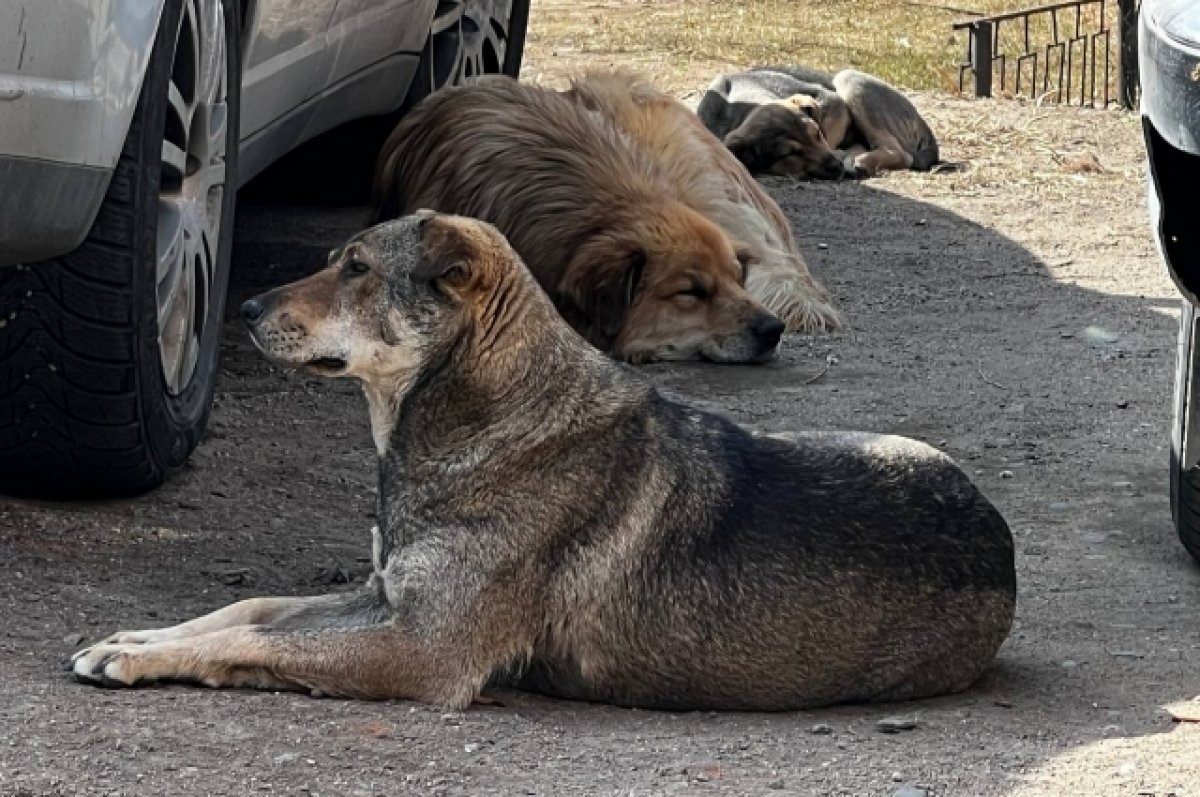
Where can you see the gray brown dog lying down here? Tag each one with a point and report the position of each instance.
(802, 122)
(548, 520)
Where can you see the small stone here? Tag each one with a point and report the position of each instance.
(74, 640)
(471, 748)
(910, 791)
(1123, 485)
(922, 222)
(1002, 703)
(1123, 404)
(1099, 336)
(287, 758)
(821, 729)
(1006, 474)
(1127, 654)
(822, 246)
(1069, 665)
(776, 785)
(1126, 769)
(896, 724)
(897, 777)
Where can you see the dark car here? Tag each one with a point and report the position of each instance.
(1169, 63)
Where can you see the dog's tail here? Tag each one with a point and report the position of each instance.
(784, 286)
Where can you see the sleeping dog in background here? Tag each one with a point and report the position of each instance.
(802, 122)
(548, 519)
(630, 259)
(712, 180)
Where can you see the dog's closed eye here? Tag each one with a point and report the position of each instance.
(355, 268)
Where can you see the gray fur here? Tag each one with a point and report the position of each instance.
(547, 518)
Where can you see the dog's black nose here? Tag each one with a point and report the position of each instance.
(769, 329)
(252, 310)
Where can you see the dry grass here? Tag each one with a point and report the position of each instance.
(682, 43)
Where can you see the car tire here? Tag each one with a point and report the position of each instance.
(109, 359)
(1185, 482)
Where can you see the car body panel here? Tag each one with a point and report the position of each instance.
(1169, 71)
(1168, 65)
(71, 72)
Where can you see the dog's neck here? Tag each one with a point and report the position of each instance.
(490, 390)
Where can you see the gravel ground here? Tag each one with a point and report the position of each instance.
(1014, 314)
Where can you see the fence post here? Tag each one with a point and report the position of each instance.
(1127, 73)
(981, 61)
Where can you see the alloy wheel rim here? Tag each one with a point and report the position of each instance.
(191, 190)
(468, 38)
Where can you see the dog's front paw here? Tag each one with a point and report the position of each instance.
(108, 665)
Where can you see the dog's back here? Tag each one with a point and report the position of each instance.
(730, 98)
(544, 170)
(779, 574)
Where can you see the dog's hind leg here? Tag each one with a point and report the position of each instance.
(373, 662)
(888, 122)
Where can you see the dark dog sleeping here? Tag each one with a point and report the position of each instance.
(548, 519)
(803, 122)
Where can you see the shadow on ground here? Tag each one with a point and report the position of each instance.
(956, 335)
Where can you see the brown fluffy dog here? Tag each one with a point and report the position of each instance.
(629, 263)
(709, 178)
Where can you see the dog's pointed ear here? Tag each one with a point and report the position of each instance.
(600, 284)
(449, 252)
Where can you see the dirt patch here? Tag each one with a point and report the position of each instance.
(1014, 314)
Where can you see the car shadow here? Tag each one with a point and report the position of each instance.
(1051, 392)
(1052, 395)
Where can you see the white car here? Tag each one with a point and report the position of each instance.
(126, 127)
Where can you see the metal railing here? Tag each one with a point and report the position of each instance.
(1062, 52)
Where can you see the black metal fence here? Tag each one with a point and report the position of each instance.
(1081, 52)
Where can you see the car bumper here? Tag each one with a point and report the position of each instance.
(70, 75)
(1169, 67)
(47, 207)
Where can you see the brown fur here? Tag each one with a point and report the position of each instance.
(547, 519)
(708, 178)
(633, 265)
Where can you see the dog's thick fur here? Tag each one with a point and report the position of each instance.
(803, 122)
(716, 183)
(629, 261)
(548, 519)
